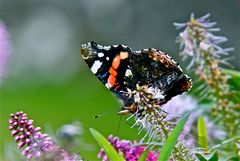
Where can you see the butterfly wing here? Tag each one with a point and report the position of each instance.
(119, 69)
(158, 70)
(109, 64)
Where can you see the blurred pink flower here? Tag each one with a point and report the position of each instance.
(4, 50)
(182, 104)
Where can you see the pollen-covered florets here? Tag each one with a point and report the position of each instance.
(148, 113)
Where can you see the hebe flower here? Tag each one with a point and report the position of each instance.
(147, 114)
(4, 50)
(150, 116)
(198, 42)
(33, 142)
(128, 149)
(197, 37)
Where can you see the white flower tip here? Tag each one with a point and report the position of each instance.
(137, 98)
(204, 46)
(192, 15)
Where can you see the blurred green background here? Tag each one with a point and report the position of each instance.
(47, 79)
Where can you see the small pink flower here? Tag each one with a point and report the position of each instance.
(182, 104)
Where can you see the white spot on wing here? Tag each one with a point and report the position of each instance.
(180, 68)
(107, 85)
(100, 55)
(107, 58)
(96, 65)
(115, 46)
(174, 61)
(107, 47)
(128, 73)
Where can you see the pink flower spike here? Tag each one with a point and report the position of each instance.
(27, 140)
(21, 136)
(29, 122)
(38, 154)
(35, 144)
(21, 144)
(17, 138)
(30, 156)
(10, 121)
(10, 127)
(26, 150)
(37, 129)
(15, 132)
(30, 127)
(28, 135)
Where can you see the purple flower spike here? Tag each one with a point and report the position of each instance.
(35, 144)
(28, 137)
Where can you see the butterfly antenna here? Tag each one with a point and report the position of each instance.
(119, 124)
(98, 116)
(113, 111)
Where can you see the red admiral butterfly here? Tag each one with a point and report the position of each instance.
(120, 69)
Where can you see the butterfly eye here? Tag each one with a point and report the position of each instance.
(85, 53)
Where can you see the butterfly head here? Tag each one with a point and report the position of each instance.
(87, 51)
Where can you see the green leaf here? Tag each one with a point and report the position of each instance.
(200, 157)
(144, 155)
(234, 80)
(233, 73)
(108, 149)
(172, 139)
(233, 158)
(214, 157)
(202, 133)
(208, 157)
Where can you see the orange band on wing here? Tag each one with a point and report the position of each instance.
(111, 80)
(112, 71)
(116, 62)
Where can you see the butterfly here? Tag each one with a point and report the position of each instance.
(121, 70)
